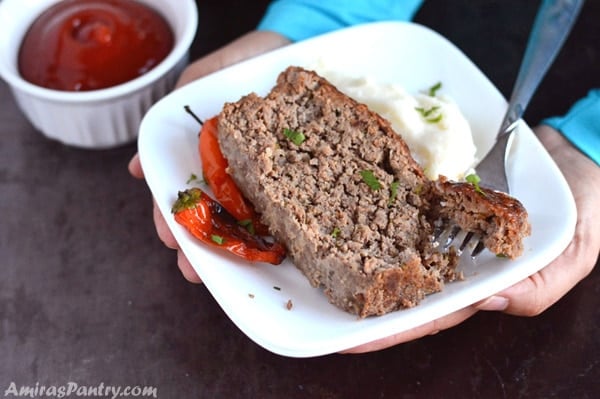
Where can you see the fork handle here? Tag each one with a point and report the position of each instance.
(550, 29)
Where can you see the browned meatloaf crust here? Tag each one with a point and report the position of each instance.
(369, 248)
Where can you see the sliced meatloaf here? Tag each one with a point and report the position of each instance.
(340, 189)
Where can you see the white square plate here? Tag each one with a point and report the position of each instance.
(254, 296)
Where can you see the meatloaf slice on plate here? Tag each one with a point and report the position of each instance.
(340, 189)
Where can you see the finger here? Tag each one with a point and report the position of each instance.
(186, 269)
(162, 229)
(430, 328)
(164, 233)
(537, 293)
(247, 46)
(493, 303)
(135, 167)
(196, 70)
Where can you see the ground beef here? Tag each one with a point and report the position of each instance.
(368, 247)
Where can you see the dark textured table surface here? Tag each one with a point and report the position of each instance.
(89, 295)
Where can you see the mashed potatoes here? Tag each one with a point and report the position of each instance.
(432, 125)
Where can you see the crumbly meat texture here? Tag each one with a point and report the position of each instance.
(369, 248)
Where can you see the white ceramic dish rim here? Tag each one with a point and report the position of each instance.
(179, 50)
(292, 333)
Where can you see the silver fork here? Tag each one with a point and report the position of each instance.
(550, 30)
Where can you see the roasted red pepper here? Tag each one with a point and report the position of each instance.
(206, 220)
(214, 169)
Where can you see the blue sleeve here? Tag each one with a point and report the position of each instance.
(302, 19)
(581, 125)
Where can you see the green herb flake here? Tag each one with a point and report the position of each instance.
(335, 233)
(296, 137)
(431, 115)
(434, 119)
(276, 288)
(393, 192)
(474, 180)
(195, 179)
(248, 225)
(427, 112)
(370, 179)
(192, 178)
(217, 239)
(434, 89)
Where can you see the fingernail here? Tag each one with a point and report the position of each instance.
(493, 303)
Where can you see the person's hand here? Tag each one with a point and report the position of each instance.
(535, 294)
(247, 46)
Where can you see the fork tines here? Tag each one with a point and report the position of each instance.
(448, 236)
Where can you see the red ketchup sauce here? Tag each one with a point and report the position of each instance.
(81, 45)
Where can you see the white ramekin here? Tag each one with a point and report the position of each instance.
(100, 118)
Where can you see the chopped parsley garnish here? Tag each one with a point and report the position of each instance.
(296, 137)
(217, 239)
(393, 191)
(370, 179)
(431, 115)
(433, 89)
(335, 233)
(247, 223)
(193, 178)
(434, 119)
(474, 180)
